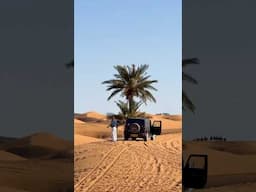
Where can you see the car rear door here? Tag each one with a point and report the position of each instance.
(195, 171)
(156, 127)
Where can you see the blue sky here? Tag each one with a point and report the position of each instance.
(111, 32)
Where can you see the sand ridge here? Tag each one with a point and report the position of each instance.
(80, 139)
(77, 121)
(91, 115)
(39, 139)
(6, 156)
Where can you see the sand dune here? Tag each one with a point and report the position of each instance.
(235, 147)
(76, 121)
(39, 139)
(96, 130)
(34, 173)
(91, 116)
(167, 123)
(95, 115)
(80, 140)
(170, 117)
(35, 146)
(129, 165)
(6, 156)
(174, 117)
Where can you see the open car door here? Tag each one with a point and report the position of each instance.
(156, 127)
(194, 173)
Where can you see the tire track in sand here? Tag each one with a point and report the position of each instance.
(121, 175)
(137, 166)
(100, 169)
(145, 166)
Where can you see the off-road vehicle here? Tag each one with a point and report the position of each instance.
(141, 128)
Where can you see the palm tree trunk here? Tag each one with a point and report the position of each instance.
(130, 101)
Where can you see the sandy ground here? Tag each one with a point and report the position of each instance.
(40, 162)
(127, 166)
(79, 139)
(246, 187)
(36, 175)
(231, 165)
(8, 189)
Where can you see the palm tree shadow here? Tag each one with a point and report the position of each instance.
(186, 101)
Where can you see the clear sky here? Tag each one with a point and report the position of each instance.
(114, 32)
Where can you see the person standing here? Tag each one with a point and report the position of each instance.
(114, 125)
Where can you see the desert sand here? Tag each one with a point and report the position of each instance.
(6, 156)
(8, 189)
(231, 165)
(79, 139)
(36, 163)
(101, 165)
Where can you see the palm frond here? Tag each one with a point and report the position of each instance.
(189, 61)
(187, 103)
(114, 93)
(141, 70)
(187, 77)
(146, 95)
(123, 73)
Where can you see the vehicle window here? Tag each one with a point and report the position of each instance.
(139, 121)
(156, 123)
(196, 162)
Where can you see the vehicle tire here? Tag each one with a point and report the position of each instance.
(153, 137)
(126, 136)
(135, 128)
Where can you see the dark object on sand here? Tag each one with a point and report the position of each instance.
(141, 128)
(194, 173)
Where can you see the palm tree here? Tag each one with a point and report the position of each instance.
(186, 102)
(124, 109)
(131, 82)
